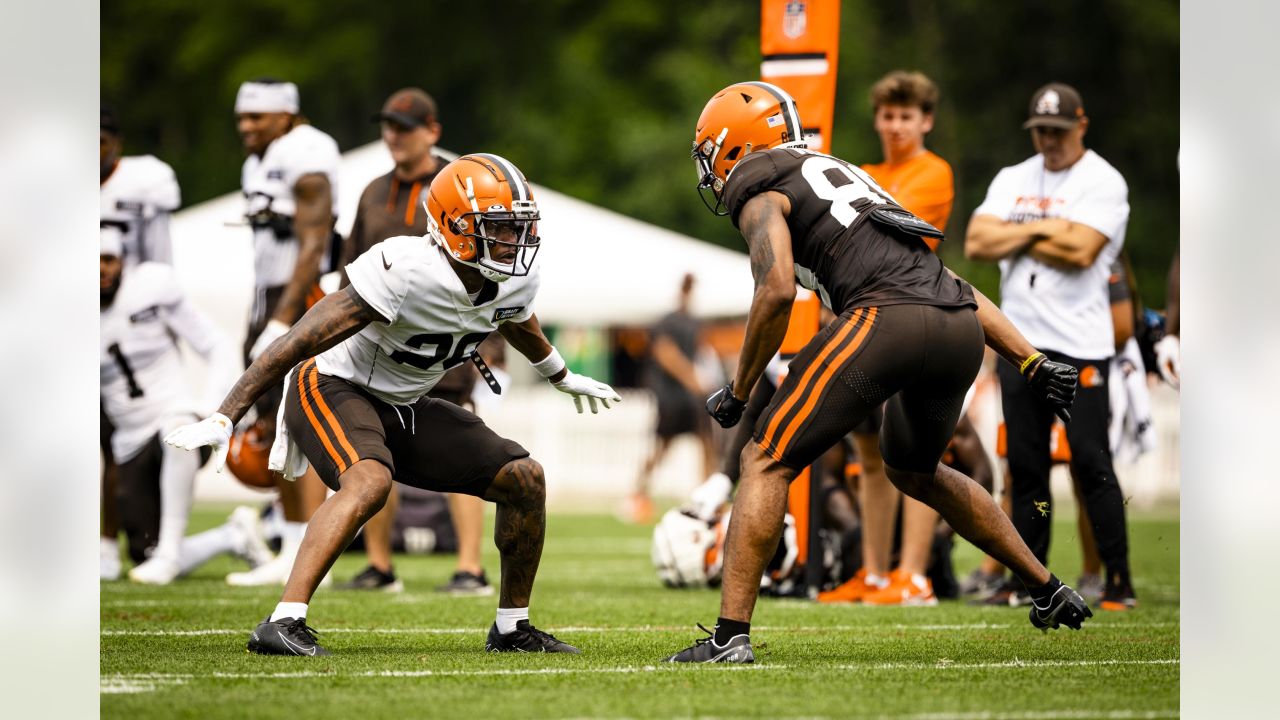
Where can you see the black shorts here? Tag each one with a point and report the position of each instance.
(920, 358)
(431, 444)
(680, 413)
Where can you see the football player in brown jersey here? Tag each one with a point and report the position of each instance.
(908, 331)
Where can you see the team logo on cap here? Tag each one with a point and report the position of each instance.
(794, 20)
(1048, 103)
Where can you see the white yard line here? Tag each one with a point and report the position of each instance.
(631, 629)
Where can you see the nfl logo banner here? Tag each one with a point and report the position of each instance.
(794, 20)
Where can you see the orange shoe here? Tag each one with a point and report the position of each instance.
(854, 589)
(637, 510)
(904, 589)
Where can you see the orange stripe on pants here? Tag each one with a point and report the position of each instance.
(827, 374)
(835, 341)
(315, 421)
(314, 379)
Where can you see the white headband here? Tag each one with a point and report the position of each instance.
(256, 97)
(112, 241)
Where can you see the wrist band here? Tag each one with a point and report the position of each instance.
(549, 365)
(1027, 363)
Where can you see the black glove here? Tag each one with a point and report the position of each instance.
(1054, 382)
(724, 407)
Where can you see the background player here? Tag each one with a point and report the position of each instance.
(144, 396)
(137, 194)
(289, 181)
(415, 307)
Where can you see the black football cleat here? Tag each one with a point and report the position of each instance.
(526, 639)
(286, 636)
(737, 650)
(1064, 607)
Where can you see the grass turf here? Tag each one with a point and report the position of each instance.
(418, 654)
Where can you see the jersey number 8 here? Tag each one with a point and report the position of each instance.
(842, 185)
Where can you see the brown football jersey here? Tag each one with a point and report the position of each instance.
(846, 238)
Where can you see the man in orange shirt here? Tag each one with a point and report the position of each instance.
(921, 182)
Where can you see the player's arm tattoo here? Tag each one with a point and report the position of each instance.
(519, 489)
(312, 225)
(755, 229)
(763, 223)
(334, 319)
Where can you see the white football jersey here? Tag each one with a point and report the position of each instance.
(1064, 310)
(434, 324)
(137, 198)
(268, 182)
(142, 381)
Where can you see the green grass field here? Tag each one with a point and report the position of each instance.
(178, 651)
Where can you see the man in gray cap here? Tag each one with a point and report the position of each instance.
(1056, 223)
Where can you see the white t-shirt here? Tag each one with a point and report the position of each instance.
(1064, 310)
(434, 325)
(141, 378)
(268, 182)
(137, 198)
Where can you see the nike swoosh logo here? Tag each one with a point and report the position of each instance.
(297, 649)
(385, 265)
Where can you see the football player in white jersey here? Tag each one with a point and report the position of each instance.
(144, 395)
(137, 195)
(358, 365)
(289, 181)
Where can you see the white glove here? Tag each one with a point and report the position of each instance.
(214, 431)
(580, 385)
(710, 496)
(1169, 359)
(272, 332)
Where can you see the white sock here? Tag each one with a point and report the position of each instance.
(291, 535)
(289, 610)
(507, 618)
(109, 547)
(177, 476)
(200, 548)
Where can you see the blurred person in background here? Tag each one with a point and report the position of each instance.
(137, 195)
(673, 378)
(391, 206)
(920, 181)
(144, 396)
(908, 331)
(1168, 348)
(359, 364)
(1056, 224)
(289, 180)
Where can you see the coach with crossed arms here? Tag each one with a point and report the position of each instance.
(1056, 223)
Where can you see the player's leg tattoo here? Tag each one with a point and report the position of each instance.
(974, 514)
(519, 489)
(754, 530)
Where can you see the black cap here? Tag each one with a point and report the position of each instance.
(410, 107)
(1055, 105)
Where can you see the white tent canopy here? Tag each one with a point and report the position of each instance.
(598, 267)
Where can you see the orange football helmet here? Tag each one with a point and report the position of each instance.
(247, 456)
(479, 204)
(739, 119)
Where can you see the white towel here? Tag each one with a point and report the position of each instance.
(286, 457)
(1132, 431)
